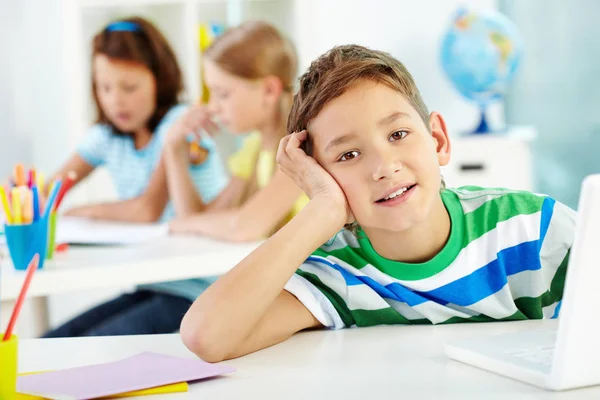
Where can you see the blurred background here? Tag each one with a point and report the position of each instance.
(557, 90)
(545, 129)
(45, 103)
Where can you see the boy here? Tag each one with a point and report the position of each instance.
(412, 251)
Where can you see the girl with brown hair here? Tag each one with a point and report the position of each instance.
(136, 85)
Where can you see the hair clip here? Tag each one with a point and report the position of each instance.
(123, 26)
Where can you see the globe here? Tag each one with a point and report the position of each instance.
(480, 54)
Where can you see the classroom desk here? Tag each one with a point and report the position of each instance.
(365, 363)
(90, 267)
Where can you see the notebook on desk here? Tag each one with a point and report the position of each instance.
(138, 372)
(83, 231)
(568, 357)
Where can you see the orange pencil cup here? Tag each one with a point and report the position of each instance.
(51, 235)
(8, 368)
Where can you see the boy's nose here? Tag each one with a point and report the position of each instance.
(386, 165)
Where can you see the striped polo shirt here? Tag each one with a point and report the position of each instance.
(505, 259)
(130, 169)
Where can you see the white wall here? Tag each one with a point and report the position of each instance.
(14, 137)
(410, 30)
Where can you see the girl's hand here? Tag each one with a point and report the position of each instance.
(310, 176)
(82, 212)
(195, 119)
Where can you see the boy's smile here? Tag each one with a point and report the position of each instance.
(385, 158)
(397, 195)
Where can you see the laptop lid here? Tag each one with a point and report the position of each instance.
(577, 354)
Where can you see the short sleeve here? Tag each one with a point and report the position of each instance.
(314, 284)
(95, 145)
(241, 163)
(557, 233)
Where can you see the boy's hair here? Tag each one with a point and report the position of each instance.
(255, 50)
(333, 73)
(137, 40)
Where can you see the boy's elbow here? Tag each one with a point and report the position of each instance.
(200, 339)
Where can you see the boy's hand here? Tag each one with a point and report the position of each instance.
(309, 175)
(193, 120)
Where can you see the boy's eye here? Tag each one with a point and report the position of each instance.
(398, 135)
(349, 156)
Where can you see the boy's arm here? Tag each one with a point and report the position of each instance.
(255, 219)
(247, 309)
(148, 207)
(285, 317)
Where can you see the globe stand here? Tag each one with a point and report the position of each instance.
(483, 125)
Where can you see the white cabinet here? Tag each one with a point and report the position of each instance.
(492, 160)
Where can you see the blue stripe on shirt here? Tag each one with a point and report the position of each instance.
(547, 211)
(470, 289)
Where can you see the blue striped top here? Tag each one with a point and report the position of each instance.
(130, 170)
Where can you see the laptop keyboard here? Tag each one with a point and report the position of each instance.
(541, 355)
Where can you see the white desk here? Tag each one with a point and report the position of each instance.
(374, 363)
(90, 267)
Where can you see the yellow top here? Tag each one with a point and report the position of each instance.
(250, 156)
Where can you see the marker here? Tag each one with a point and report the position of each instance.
(5, 206)
(16, 205)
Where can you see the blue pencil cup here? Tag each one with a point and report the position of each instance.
(25, 241)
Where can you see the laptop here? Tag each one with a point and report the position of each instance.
(569, 356)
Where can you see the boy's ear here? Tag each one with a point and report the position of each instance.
(437, 126)
(273, 87)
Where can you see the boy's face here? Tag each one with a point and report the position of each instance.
(382, 154)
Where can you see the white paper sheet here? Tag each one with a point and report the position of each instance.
(75, 230)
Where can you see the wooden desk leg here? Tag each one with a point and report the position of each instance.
(33, 321)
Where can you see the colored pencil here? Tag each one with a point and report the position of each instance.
(36, 202)
(16, 205)
(27, 207)
(66, 186)
(20, 175)
(33, 265)
(52, 197)
(5, 206)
